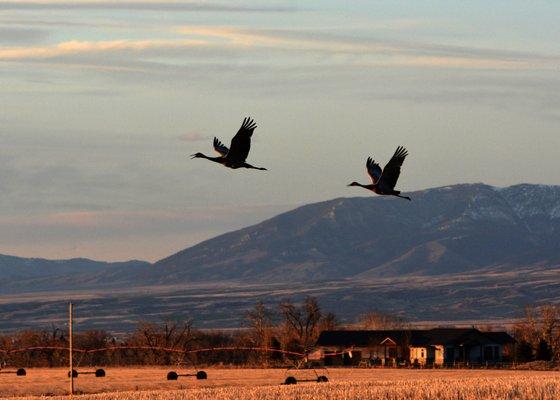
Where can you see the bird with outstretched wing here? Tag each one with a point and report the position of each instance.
(236, 156)
(384, 181)
(392, 170)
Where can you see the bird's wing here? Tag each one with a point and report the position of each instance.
(392, 170)
(373, 170)
(220, 148)
(241, 142)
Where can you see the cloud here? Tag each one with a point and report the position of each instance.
(366, 55)
(57, 23)
(20, 36)
(282, 39)
(132, 5)
(88, 47)
(403, 53)
(215, 42)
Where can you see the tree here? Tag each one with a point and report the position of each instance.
(328, 322)
(541, 323)
(260, 323)
(90, 340)
(301, 323)
(259, 320)
(377, 320)
(524, 351)
(550, 329)
(169, 335)
(544, 352)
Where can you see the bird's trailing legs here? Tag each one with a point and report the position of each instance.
(245, 165)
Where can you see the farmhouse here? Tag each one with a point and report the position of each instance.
(430, 347)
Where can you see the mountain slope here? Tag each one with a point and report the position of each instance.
(444, 230)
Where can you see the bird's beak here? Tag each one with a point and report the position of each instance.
(193, 156)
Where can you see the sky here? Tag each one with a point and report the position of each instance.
(101, 102)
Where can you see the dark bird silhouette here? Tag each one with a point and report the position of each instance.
(384, 181)
(235, 156)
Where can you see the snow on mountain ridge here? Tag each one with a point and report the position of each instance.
(529, 201)
(484, 207)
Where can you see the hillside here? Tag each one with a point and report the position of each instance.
(447, 230)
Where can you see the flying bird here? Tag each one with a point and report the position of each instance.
(383, 182)
(235, 156)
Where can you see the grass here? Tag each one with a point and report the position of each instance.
(264, 384)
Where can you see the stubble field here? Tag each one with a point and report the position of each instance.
(265, 384)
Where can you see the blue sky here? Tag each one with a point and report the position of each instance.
(102, 101)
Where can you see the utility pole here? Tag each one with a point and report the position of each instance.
(70, 347)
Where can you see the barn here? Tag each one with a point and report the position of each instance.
(429, 347)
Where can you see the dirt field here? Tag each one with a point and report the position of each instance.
(54, 382)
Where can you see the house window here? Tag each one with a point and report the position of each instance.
(422, 353)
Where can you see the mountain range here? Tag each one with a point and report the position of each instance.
(448, 238)
(446, 230)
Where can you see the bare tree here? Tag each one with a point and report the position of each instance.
(259, 320)
(540, 328)
(550, 328)
(301, 323)
(261, 327)
(169, 335)
(328, 322)
(378, 320)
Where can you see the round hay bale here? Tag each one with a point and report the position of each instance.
(74, 373)
(21, 372)
(201, 375)
(290, 380)
(99, 373)
(172, 376)
(322, 378)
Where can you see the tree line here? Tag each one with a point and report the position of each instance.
(290, 327)
(538, 334)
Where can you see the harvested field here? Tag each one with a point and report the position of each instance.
(257, 384)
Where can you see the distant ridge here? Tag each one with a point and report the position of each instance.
(455, 253)
(445, 230)
(31, 274)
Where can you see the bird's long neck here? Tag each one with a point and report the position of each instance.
(215, 159)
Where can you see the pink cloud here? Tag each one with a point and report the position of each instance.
(83, 47)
